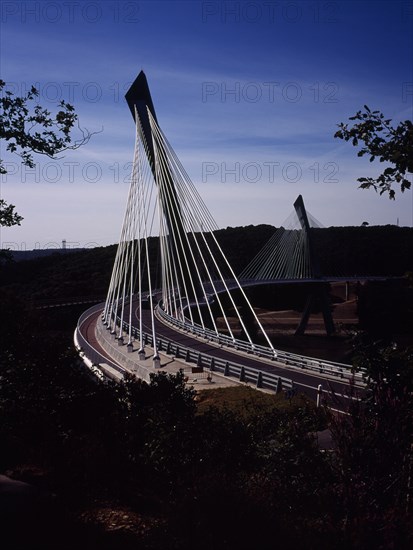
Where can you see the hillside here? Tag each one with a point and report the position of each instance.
(153, 467)
(379, 250)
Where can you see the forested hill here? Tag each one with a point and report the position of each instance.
(343, 251)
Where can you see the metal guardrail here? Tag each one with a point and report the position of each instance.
(257, 377)
(90, 352)
(228, 368)
(292, 360)
(248, 374)
(167, 346)
(113, 351)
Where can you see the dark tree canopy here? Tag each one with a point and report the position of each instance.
(8, 216)
(383, 141)
(29, 128)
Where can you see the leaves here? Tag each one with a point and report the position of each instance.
(385, 142)
(8, 216)
(31, 129)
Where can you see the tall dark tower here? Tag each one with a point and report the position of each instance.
(138, 96)
(320, 291)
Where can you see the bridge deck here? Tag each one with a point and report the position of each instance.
(304, 382)
(127, 362)
(335, 393)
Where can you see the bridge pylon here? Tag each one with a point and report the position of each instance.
(141, 106)
(290, 256)
(319, 292)
(186, 278)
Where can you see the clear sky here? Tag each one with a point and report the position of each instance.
(249, 94)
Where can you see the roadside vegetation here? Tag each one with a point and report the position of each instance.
(158, 466)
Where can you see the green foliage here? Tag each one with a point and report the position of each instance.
(373, 449)
(232, 468)
(383, 141)
(249, 404)
(61, 275)
(372, 459)
(29, 128)
(240, 244)
(155, 416)
(193, 462)
(385, 308)
(374, 250)
(8, 216)
(384, 363)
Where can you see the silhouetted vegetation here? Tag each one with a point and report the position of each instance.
(155, 466)
(380, 140)
(383, 250)
(343, 251)
(385, 308)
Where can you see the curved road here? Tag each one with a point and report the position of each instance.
(336, 392)
(88, 332)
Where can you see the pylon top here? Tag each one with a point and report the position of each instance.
(139, 95)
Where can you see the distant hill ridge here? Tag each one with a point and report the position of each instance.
(22, 255)
(52, 273)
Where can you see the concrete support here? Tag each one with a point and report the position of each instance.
(242, 375)
(319, 394)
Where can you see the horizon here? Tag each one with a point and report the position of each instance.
(72, 246)
(248, 94)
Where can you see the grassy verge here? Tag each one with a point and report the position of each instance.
(246, 403)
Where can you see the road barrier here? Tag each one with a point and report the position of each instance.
(232, 369)
(85, 348)
(260, 378)
(336, 370)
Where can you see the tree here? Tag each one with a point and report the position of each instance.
(383, 141)
(8, 216)
(29, 128)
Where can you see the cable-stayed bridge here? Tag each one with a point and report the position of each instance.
(289, 255)
(289, 252)
(194, 269)
(201, 302)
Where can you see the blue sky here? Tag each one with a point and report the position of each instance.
(249, 93)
